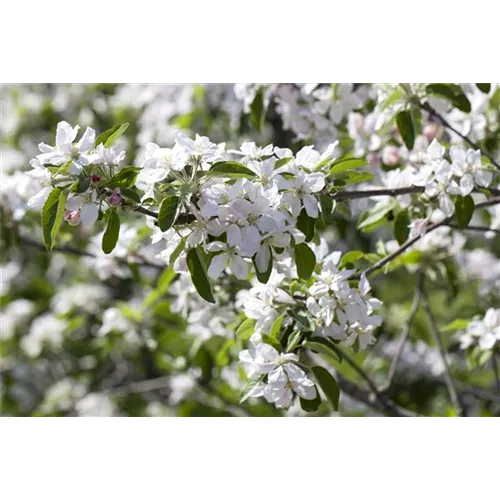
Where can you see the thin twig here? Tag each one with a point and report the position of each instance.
(433, 113)
(381, 263)
(406, 332)
(450, 385)
(374, 395)
(475, 228)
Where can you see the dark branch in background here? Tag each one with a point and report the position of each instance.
(450, 385)
(406, 332)
(434, 114)
(475, 228)
(496, 371)
(83, 253)
(373, 395)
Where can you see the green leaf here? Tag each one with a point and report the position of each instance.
(401, 226)
(109, 136)
(328, 384)
(311, 405)
(343, 209)
(263, 277)
(484, 87)
(352, 177)
(115, 135)
(351, 257)
(198, 272)
(52, 216)
(110, 236)
(416, 117)
(124, 178)
(169, 209)
(395, 97)
(376, 214)
(464, 208)
(231, 170)
(267, 339)
(275, 329)
(306, 224)
(323, 346)
(130, 194)
(327, 207)
(346, 164)
(178, 250)
(282, 161)
(82, 184)
(305, 260)
(257, 111)
(406, 128)
(250, 384)
(452, 93)
(293, 341)
(246, 329)
(458, 324)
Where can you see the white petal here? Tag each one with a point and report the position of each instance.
(217, 266)
(239, 267)
(88, 214)
(87, 140)
(65, 134)
(263, 257)
(311, 205)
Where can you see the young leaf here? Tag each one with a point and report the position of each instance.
(323, 346)
(169, 210)
(198, 272)
(249, 386)
(52, 216)
(401, 226)
(112, 138)
(328, 384)
(231, 170)
(110, 236)
(464, 208)
(327, 207)
(246, 329)
(305, 260)
(109, 136)
(178, 250)
(458, 324)
(257, 111)
(306, 224)
(276, 327)
(346, 164)
(406, 128)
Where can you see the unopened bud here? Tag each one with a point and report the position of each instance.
(115, 198)
(72, 217)
(430, 131)
(95, 179)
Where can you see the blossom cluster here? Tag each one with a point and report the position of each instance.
(484, 333)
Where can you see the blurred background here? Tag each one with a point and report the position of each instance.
(88, 334)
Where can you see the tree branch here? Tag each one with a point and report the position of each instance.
(406, 332)
(455, 399)
(381, 263)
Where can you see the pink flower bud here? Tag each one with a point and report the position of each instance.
(390, 155)
(430, 131)
(418, 227)
(95, 179)
(373, 159)
(115, 198)
(72, 217)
